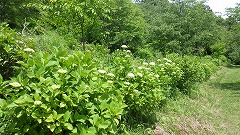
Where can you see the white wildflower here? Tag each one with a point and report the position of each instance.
(135, 91)
(62, 105)
(158, 60)
(62, 71)
(130, 75)
(55, 86)
(127, 83)
(124, 46)
(109, 81)
(102, 71)
(127, 56)
(145, 63)
(128, 51)
(28, 50)
(157, 76)
(37, 102)
(147, 68)
(165, 59)
(15, 84)
(140, 67)
(152, 63)
(140, 74)
(111, 75)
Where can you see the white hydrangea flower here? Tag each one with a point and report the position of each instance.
(15, 84)
(28, 50)
(165, 59)
(127, 56)
(109, 81)
(62, 71)
(127, 83)
(145, 63)
(130, 75)
(152, 63)
(124, 46)
(55, 86)
(102, 71)
(147, 68)
(140, 74)
(111, 75)
(37, 102)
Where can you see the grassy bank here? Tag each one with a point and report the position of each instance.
(214, 110)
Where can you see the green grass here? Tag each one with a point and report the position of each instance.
(215, 109)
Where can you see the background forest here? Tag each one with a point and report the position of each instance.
(90, 66)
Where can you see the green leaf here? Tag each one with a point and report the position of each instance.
(2, 103)
(80, 118)
(68, 126)
(51, 63)
(103, 105)
(66, 116)
(93, 119)
(1, 78)
(50, 118)
(92, 131)
(12, 105)
(104, 124)
(24, 99)
(51, 127)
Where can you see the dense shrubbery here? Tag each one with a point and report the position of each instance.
(69, 92)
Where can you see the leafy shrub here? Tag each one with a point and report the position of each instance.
(10, 45)
(69, 92)
(195, 70)
(60, 93)
(8, 51)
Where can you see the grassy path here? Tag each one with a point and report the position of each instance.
(215, 110)
(224, 91)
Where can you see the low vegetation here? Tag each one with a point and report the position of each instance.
(108, 67)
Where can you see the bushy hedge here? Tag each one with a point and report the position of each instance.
(10, 43)
(72, 93)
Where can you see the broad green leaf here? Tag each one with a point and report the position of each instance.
(51, 127)
(66, 116)
(12, 105)
(93, 119)
(50, 118)
(24, 99)
(104, 124)
(68, 126)
(2, 103)
(92, 131)
(51, 63)
(103, 105)
(80, 118)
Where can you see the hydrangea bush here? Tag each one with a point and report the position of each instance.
(72, 93)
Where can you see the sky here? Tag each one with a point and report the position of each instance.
(220, 5)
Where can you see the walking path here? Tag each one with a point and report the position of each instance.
(224, 91)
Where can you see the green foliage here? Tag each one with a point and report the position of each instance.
(194, 69)
(10, 45)
(69, 92)
(60, 93)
